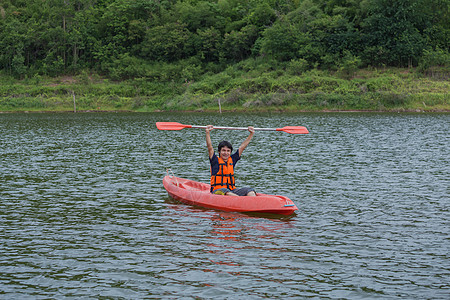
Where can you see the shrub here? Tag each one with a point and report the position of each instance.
(297, 66)
(349, 65)
(435, 63)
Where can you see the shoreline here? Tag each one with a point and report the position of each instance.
(278, 110)
(391, 90)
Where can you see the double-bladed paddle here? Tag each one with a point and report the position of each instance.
(178, 126)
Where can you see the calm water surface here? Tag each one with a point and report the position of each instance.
(83, 213)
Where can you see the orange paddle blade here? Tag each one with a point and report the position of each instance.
(171, 126)
(294, 129)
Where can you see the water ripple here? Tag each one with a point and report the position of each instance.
(84, 214)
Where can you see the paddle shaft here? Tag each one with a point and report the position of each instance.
(235, 128)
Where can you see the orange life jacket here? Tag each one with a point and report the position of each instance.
(225, 177)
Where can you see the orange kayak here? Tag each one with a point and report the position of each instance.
(198, 193)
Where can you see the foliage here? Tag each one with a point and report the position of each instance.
(123, 39)
(253, 84)
(435, 63)
(249, 54)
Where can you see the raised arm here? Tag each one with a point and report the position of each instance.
(247, 140)
(208, 140)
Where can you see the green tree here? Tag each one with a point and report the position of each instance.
(169, 42)
(12, 36)
(199, 15)
(300, 35)
(283, 41)
(436, 21)
(262, 16)
(391, 33)
(209, 43)
(237, 45)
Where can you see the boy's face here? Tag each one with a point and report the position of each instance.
(225, 153)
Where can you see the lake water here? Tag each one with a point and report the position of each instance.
(83, 212)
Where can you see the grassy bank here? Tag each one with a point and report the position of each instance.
(242, 87)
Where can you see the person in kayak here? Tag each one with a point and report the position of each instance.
(222, 166)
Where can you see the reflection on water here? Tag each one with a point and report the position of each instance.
(84, 214)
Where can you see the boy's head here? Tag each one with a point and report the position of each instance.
(225, 149)
(225, 144)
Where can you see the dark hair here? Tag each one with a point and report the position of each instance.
(225, 144)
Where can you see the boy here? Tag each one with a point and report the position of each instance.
(222, 166)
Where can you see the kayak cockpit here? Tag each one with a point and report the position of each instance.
(189, 185)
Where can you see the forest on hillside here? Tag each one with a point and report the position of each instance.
(164, 40)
